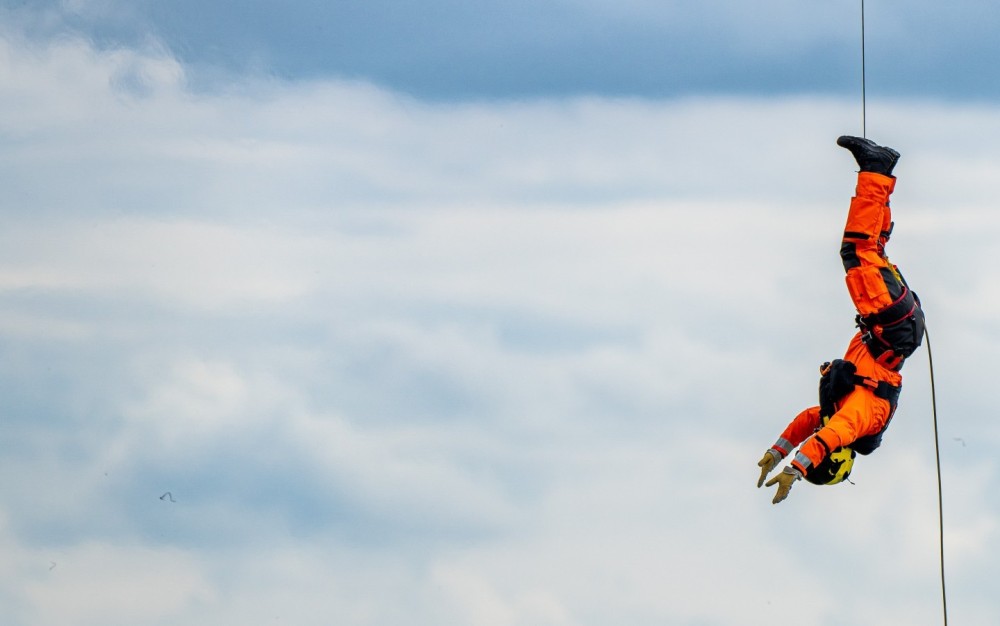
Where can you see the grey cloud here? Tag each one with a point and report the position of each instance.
(445, 50)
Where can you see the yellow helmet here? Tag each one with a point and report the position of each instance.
(835, 468)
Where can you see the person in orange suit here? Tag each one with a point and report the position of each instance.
(858, 393)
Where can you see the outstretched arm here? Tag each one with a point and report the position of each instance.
(797, 431)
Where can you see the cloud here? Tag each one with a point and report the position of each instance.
(500, 362)
(448, 50)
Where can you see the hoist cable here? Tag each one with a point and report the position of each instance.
(864, 130)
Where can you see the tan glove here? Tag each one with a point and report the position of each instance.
(767, 463)
(784, 480)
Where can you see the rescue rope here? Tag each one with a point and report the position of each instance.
(937, 456)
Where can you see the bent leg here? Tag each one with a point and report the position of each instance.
(860, 414)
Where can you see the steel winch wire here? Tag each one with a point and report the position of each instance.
(864, 130)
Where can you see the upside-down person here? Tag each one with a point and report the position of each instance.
(858, 393)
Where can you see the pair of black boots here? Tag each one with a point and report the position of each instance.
(870, 156)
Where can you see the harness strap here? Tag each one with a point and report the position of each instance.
(881, 389)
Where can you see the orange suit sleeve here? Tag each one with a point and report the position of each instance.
(797, 431)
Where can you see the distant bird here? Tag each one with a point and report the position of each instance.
(52, 566)
(959, 440)
(168, 495)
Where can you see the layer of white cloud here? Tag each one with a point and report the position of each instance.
(481, 364)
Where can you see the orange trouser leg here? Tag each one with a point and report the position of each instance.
(871, 279)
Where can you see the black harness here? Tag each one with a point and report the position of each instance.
(895, 332)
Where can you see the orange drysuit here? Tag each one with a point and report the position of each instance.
(877, 289)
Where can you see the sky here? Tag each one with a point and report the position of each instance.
(382, 313)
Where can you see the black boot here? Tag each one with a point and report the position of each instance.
(870, 156)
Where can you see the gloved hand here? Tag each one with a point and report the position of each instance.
(767, 463)
(784, 480)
